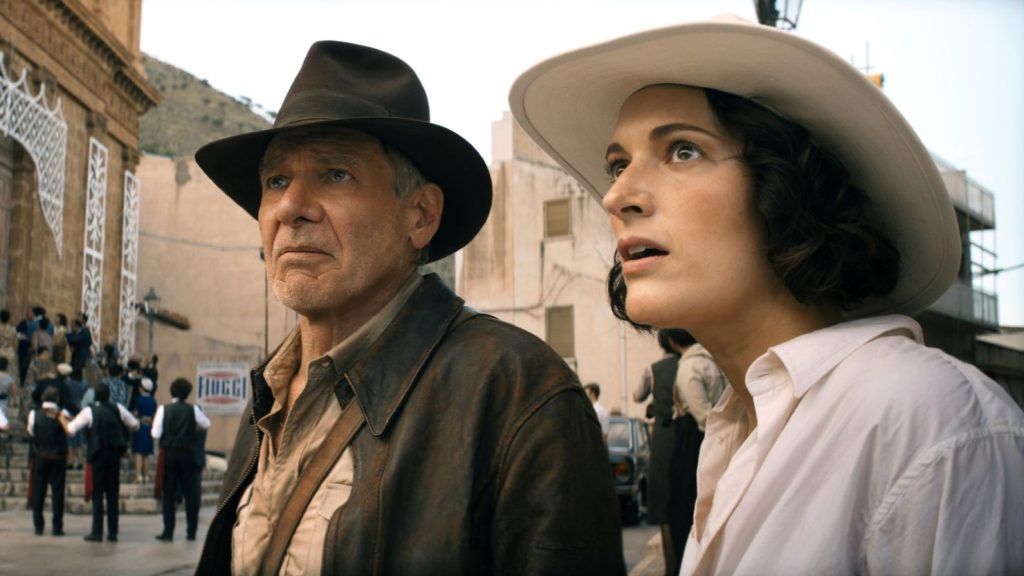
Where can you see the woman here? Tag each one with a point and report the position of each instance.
(769, 199)
(143, 406)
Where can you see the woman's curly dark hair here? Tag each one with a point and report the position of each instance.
(818, 236)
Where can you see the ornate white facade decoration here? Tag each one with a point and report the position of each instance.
(44, 134)
(129, 266)
(95, 229)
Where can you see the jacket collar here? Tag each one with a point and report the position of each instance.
(383, 375)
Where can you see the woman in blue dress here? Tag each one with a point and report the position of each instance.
(143, 407)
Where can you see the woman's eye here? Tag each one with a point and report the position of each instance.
(276, 182)
(615, 168)
(684, 152)
(338, 175)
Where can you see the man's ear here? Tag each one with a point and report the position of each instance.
(427, 202)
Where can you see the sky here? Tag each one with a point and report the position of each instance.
(954, 68)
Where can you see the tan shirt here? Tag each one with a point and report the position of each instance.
(698, 386)
(289, 443)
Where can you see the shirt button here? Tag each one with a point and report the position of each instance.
(326, 364)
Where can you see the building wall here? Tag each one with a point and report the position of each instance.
(200, 251)
(512, 271)
(78, 58)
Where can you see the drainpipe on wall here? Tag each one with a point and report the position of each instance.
(622, 364)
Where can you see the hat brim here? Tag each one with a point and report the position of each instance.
(442, 156)
(569, 105)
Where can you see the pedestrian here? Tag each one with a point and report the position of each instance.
(468, 436)
(658, 382)
(41, 368)
(8, 388)
(143, 407)
(45, 426)
(60, 340)
(697, 387)
(80, 341)
(176, 426)
(118, 388)
(9, 344)
(107, 426)
(593, 390)
(25, 351)
(769, 199)
(77, 388)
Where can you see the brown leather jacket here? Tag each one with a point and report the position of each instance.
(480, 455)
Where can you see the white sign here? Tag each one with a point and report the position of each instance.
(222, 388)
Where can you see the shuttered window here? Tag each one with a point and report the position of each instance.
(557, 218)
(558, 327)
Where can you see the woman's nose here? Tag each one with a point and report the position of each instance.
(628, 194)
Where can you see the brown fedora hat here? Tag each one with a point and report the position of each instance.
(350, 86)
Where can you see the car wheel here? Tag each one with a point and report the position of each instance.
(631, 511)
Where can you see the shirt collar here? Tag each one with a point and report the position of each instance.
(282, 366)
(809, 357)
(345, 353)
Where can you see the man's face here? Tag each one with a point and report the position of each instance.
(335, 235)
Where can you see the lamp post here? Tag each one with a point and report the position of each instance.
(150, 306)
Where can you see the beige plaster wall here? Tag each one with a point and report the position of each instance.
(510, 269)
(201, 253)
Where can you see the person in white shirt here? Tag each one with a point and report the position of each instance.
(107, 425)
(768, 198)
(175, 427)
(593, 390)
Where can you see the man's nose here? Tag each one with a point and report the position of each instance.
(300, 202)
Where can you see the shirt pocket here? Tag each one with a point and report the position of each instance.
(335, 495)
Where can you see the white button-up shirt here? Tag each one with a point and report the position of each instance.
(872, 455)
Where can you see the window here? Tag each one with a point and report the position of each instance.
(558, 328)
(557, 218)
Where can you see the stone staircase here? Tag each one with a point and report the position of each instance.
(135, 498)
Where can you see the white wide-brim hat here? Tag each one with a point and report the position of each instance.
(569, 105)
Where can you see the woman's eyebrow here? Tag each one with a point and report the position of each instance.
(662, 131)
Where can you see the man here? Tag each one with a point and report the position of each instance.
(80, 341)
(108, 425)
(119, 392)
(468, 436)
(58, 382)
(50, 464)
(593, 390)
(175, 426)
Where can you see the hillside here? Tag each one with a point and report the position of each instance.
(191, 114)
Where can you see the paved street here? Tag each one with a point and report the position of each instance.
(136, 552)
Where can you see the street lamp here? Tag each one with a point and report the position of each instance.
(150, 306)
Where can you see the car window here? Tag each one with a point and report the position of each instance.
(641, 435)
(619, 434)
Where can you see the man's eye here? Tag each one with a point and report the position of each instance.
(338, 175)
(684, 151)
(276, 182)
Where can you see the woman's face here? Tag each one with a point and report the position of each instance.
(681, 207)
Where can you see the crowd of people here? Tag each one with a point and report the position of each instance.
(86, 411)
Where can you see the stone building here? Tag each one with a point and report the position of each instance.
(71, 93)
(540, 263)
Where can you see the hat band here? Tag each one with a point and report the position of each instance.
(323, 105)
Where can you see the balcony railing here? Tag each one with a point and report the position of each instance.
(970, 304)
